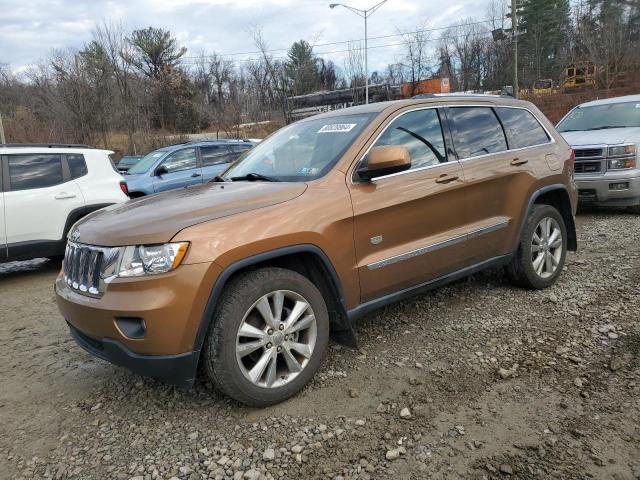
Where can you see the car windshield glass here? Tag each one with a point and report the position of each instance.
(146, 163)
(613, 115)
(302, 151)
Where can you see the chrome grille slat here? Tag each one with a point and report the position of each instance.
(590, 160)
(84, 267)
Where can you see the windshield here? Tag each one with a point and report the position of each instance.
(302, 151)
(146, 163)
(613, 115)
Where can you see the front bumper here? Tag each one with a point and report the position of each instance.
(598, 190)
(174, 369)
(168, 306)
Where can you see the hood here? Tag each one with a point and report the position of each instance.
(609, 136)
(157, 218)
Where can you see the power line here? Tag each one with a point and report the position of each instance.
(342, 42)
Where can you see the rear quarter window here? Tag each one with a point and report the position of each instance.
(77, 165)
(522, 128)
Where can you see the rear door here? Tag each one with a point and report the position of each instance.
(38, 198)
(499, 179)
(182, 170)
(409, 226)
(214, 159)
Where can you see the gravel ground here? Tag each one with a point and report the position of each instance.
(474, 380)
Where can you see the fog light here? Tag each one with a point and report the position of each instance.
(619, 186)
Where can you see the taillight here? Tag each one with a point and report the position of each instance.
(124, 188)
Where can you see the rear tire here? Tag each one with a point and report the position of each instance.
(541, 251)
(268, 336)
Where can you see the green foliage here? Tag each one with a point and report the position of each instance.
(544, 45)
(154, 51)
(301, 68)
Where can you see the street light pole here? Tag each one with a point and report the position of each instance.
(514, 32)
(366, 13)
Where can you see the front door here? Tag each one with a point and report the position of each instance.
(182, 170)
(39, 196)
(410, 226)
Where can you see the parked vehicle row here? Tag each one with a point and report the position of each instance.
(183, 165)
(327, 219)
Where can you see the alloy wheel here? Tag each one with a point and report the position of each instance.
(276, 339)
(546, 247)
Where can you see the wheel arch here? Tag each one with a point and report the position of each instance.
(556, 196)
(308, 260)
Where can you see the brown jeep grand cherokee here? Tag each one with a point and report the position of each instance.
(324, 221)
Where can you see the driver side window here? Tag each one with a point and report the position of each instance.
(420, 131)
(181, 160)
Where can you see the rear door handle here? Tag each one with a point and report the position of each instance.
(446, 178)
(64, 195)
(518, 161)
(194, 175)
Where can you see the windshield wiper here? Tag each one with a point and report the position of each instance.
(252, 177)
(217, 178)
(605, 127)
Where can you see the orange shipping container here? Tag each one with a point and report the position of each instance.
(433, 85)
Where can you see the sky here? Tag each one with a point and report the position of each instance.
(31, 29)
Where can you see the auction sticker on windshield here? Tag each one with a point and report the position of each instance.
(337, 127)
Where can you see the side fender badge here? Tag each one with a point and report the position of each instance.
(376, 240)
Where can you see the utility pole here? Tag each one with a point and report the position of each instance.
(366, 13)
(514, 33)
(2, 140)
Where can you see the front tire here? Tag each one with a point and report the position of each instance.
(542, 250)
(268, 336)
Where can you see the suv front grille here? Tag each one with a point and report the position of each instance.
(588, 167)
(589, 160)
(85, 266)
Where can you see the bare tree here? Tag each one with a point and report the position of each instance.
(354, 70)
(417, 58)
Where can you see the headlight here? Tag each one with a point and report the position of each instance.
(140, 260)
(620, 150)
(622, 163)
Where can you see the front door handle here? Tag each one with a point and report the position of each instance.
(444, 178)
(194, 175)
(518, 161)
(64, 195)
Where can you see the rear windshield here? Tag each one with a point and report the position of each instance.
(600, 117)
(145, 164)
(302, 151)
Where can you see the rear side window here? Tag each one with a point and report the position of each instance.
(34, 171)
(421, 133)
(240, 148)
(521, 127)
(215, 155)
(478, 131)
(77, 165)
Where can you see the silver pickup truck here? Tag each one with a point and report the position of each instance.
(605, 135)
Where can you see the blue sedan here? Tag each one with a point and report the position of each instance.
(182, 165)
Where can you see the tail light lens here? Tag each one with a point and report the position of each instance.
(124, 188)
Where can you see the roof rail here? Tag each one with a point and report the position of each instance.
(44, 145)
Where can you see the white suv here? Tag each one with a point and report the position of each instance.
(44, 189)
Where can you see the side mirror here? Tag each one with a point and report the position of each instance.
(161, 170)
(384, 161)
